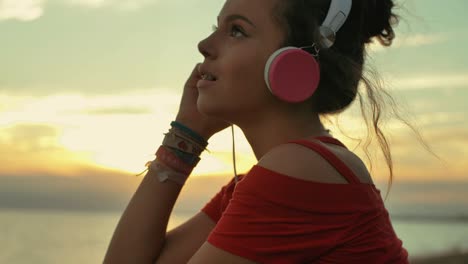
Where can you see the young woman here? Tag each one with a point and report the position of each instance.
(308, 199)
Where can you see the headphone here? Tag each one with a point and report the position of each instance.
(291, 73)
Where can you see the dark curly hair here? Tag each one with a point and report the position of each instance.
(342, 65)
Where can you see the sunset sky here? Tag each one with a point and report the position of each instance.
(88, 87)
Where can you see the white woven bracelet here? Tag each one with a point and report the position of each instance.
(165, 173)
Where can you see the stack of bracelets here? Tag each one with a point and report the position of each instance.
(178, 155)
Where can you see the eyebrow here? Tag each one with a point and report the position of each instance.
(237, 16)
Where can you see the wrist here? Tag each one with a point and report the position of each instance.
(195, 128)
(186, 144)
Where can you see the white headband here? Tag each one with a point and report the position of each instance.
(336, 17)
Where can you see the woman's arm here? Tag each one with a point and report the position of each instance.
(141, 231)
(140, 236)
(211, 254)
(182, 242)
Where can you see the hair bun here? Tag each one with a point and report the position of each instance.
(381, 20)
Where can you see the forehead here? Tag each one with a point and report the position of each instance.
(260, 12)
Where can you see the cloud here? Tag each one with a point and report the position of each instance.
(118, 111)
(412, 41)
(35, 148)
(125, 5)
(418, 40)
(432, 80)
(72, 108)
(95, 190)
(29, 138)
(29, 10)
(87, 128)
(24, 10)
(428, 198)
(65, 193)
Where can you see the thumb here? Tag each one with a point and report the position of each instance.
(195, 76)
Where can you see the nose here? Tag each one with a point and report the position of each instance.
(206, 47)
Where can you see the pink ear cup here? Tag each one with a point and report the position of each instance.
(292, 74)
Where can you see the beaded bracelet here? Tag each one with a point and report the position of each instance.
(188, 158)
(180, 151)
(172, 161)
(190, 132)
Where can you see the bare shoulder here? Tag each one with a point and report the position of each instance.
(300, 162)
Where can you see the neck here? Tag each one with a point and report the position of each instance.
(277, 128)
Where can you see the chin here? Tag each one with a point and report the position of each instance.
(208, 107)
(214, 108)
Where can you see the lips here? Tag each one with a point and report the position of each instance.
(208, 78)
(206, 74)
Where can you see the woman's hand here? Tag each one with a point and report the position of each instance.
(189, 115)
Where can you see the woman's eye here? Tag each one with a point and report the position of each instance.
(236, 29)
(234, 32)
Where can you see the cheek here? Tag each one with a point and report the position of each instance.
(246, 73)
(242, 89)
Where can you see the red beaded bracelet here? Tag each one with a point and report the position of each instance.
(171, 160)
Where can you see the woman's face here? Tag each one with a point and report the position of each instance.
(236, 54)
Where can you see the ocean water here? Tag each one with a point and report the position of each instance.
(53, 236)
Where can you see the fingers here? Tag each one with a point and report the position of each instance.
(194, 76)
(198, 68)
(196, 71)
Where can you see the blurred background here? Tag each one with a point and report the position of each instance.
(88, 87)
